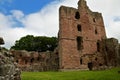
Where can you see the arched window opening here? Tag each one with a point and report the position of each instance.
(77, 15)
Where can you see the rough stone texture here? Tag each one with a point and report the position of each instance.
(8, 69)
(82, 40)
(35, 61)
(119, 56)
(80, 31)
(82, 44)
(110, 48)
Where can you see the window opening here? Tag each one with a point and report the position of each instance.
(90, 65)
(94, 20)
(81, 61)
(20, 55)
(79, 43)
(77, 15)
(16, 61)
(100, 64)
(38, 59)
(32, 60)
(79, 27)
(98, 46)
(96, 59)
(96, 32)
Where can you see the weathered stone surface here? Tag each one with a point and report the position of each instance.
(111, 49)
(35, 61)
(82, 44)
(8, 69)
(80, 31)
(119, 56)
(82, 40)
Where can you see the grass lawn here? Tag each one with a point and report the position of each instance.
(111, 74)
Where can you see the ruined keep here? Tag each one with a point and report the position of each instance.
(82, 39)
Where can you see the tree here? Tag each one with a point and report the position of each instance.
(38, 43)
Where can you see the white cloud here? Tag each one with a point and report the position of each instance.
(5, 22)
(19, 15)
(46, 21)
(113, 29)
(109, 10)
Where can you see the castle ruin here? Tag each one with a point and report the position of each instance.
(82, 44)
(83, 41)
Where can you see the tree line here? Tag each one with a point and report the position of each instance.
(36, 43)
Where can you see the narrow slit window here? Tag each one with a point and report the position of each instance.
(98, 46)
(79, 43)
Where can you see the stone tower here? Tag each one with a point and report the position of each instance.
(80, 31)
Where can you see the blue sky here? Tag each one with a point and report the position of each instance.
(19, 18)
(27, 6)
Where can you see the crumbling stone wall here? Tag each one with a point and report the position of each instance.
(110, 48)
(36, 61)
(119, 56)
(82, 45)
(8, 69)
(82, 40)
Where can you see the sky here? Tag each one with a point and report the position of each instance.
(19, 18)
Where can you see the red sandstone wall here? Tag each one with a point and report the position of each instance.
(92, 30)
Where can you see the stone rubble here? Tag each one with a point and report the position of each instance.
(8, 68)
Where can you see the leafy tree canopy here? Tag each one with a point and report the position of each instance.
(36, 43)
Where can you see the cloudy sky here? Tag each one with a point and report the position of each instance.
(19, 18)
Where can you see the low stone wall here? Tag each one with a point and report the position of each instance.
(36, 61)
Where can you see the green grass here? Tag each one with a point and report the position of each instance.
(111, 74)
